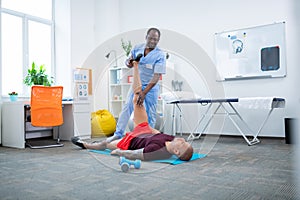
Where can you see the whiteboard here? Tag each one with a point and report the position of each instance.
(256, 52)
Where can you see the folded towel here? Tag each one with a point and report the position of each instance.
(256, 102)
(178, 95)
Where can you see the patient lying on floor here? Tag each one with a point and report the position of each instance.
(144, 142)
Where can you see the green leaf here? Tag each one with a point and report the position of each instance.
(37, 76)
(127, 46)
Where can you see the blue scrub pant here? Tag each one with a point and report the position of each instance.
(150, 104)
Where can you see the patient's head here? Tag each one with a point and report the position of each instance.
(187, 154)
(182, 149)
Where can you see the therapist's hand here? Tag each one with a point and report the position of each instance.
(129, 63)
(141, 98)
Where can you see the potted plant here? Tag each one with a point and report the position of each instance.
(127, 46)
(37, 76)
(13, 96)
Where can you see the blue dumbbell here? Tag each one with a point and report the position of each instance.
(125, 164)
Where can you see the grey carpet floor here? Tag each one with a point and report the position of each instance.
(231, 170)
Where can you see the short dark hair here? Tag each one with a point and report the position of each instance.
(187, 154)
(153, 29)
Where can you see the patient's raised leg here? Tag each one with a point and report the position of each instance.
(139, 112)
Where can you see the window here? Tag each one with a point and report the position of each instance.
(27, 32)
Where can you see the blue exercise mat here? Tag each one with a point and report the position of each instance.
(173, 160)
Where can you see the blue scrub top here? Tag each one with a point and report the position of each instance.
(154, 62)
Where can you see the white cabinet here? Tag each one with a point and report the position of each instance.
(13, 133)
(120, 79)
(82, 119)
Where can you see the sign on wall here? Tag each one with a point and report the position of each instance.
(256, 52)
(83, 83)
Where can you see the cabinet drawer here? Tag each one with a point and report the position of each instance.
(29, 127)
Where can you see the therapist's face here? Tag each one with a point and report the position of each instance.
(152, 39)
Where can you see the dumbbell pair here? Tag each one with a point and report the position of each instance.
(125, 164)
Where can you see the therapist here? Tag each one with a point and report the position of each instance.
(151, 65)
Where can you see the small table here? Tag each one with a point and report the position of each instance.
(232, 111)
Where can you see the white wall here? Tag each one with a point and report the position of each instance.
(75, 38)
(63, 45)
(82, 30)
(96, 22)
(199, 20)
(107, 21)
